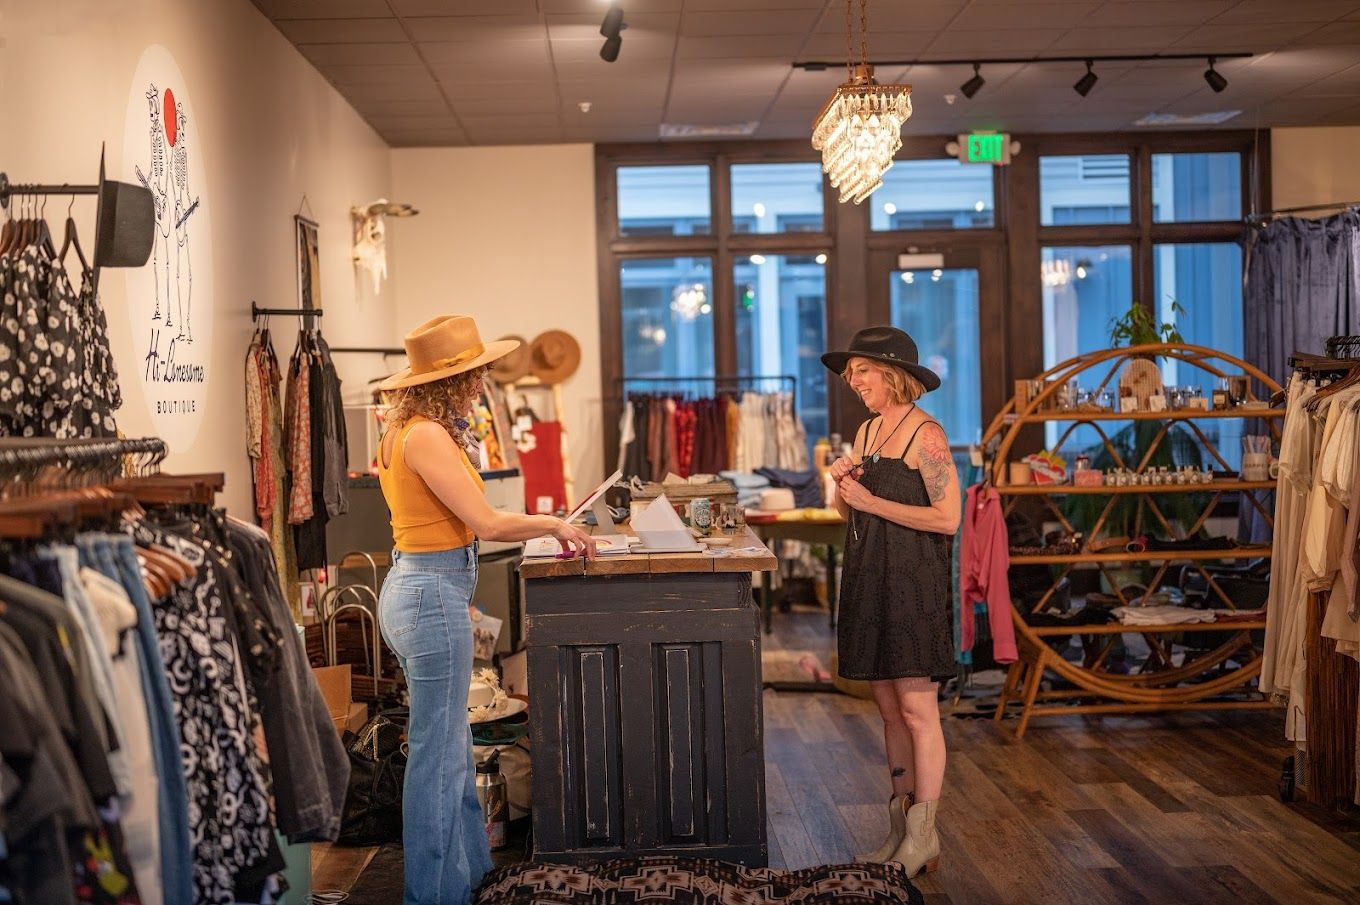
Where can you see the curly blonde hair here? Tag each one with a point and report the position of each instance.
(447, 402)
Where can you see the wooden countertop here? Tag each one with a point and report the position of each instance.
(658, 563)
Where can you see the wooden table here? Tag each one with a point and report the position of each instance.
(830, 534)
(645, 706)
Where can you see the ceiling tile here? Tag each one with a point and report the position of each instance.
(1251, 38)
(426, 138)
(425, 107)
(697, 6)
(463, 7)
(473, 74)
(1256, 12)
(700, 110)
(366, 93)
(338, 31)
(636, 48)
(507, 56)
(388, 54)
(592, 7)
(1013, 40)
(1338, 33)
(1342, 84)
(600, 134)
(1160, 12)
(406, 123)
(474, 28)
(919, 15)
(1141, 39)
(885, 45)
(736, 22)
(783, 46)
(543, 103)
(990, 15)
(644, 98)
(588, 27)
(375, 75)
(324, 9)
(720, 77)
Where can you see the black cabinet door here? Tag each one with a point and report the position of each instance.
(645, 710)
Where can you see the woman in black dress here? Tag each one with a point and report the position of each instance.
(900, 495)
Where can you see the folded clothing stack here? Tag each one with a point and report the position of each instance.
(806, 485)
(749, 487)
(1161, 615)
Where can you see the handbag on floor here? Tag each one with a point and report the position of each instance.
(377, 759)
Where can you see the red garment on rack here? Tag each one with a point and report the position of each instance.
(984, 561)
(540, 461)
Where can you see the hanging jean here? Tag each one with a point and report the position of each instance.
(424, 616)
(176, 858)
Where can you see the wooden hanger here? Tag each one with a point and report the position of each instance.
(36, 519)
(158, 587)
(170, 490)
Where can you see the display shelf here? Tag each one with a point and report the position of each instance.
(1146, 556)
(1178, 415)
(1201, 681)
(1066, 489)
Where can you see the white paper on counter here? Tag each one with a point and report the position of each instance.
(660, 528)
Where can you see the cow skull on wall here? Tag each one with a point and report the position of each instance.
(369, 249)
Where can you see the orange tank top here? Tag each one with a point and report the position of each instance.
(421, 523)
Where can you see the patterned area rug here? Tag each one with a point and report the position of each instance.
(695, 881)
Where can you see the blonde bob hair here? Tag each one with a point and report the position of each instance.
(447, 402)
(902, 387)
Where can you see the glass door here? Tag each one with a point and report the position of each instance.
(949, 302)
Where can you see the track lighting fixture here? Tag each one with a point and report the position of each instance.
(1215, 78)
(973, 85)
(612, 29)
(1086, 82)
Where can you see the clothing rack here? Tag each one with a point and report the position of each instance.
(256, 312)
(721, 381)
(9, 189)
(369, 350)
(1343, 347)
(1263, 216)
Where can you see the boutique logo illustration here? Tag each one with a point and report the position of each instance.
(171, 313)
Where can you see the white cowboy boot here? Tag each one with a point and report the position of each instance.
(897, 830)
(920, 848)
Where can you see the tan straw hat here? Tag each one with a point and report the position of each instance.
(513, 366)
(554, 356)
(445, 346)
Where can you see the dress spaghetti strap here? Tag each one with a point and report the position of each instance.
(907, 449)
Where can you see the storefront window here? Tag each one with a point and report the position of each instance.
(1084, 290)
(1205, 282)
(777, 198)
(1084, 189)
(934, 194)
(664, 201)
(1196, 187)
(781, 327)
(939, 308)
(667, 316)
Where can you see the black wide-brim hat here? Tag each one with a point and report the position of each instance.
(888, 345)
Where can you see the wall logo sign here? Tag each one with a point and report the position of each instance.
(170, 300)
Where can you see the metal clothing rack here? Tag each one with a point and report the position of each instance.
(256, 312)
(76, 463)
(369, 350)
(1264, 216)
(720, 381)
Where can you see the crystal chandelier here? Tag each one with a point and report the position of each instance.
(860, 128)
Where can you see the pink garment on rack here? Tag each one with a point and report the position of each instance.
(984, 561)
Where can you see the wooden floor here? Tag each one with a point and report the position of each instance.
(1179, 808)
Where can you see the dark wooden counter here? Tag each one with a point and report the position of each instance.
(645, 706)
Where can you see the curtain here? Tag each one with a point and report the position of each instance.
(1302, 287)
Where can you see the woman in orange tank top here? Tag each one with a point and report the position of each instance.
(438, 513)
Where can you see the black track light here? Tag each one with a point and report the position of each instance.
(973, 85)
(613, 21)
(1086, 82)
(1215, 78)
(610, 51)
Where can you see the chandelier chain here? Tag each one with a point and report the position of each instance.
(864, 32)
(849, 40)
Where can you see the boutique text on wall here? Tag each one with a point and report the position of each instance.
(170, 300)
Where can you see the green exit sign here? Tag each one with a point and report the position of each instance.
(984, 147)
